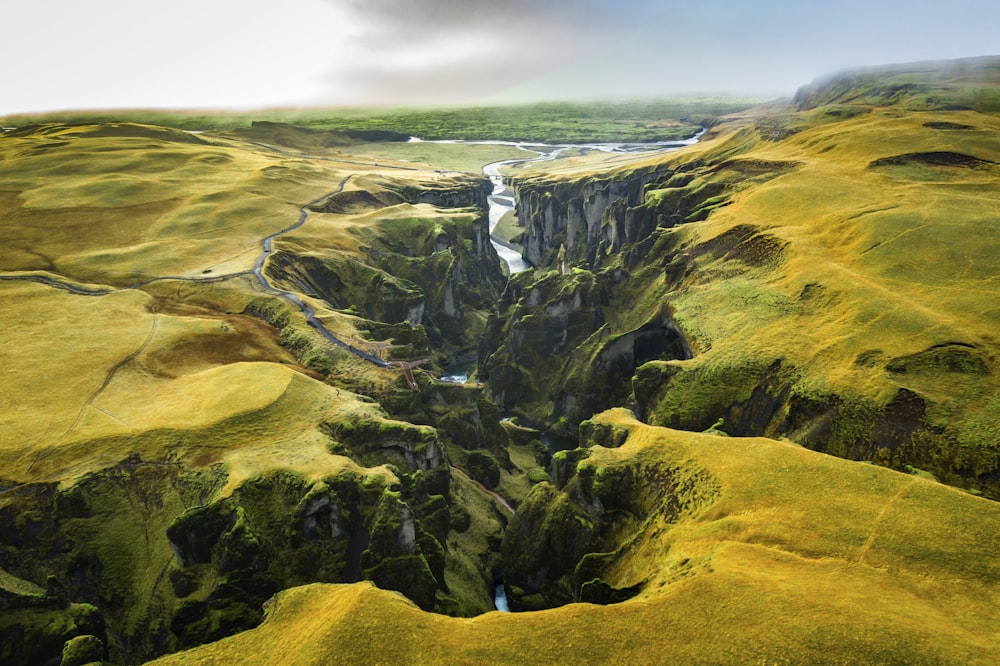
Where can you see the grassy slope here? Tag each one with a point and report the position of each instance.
(803, 558)
(203, 388)
(120, 206)
(876, 263)
(905, 259)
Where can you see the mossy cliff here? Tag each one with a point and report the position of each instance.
(820, 273)
(717, 550)
(204, 561)
(423, 256)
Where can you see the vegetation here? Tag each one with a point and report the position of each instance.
(568, 122)
(191, 466)
(787, 554)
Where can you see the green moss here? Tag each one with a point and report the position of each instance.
(81, 650)
(538, 475)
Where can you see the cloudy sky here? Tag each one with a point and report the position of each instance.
(238, 54)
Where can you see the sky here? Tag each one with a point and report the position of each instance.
(255, 54)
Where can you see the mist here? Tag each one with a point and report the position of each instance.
(261, 53)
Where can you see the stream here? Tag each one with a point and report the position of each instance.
(502, 200)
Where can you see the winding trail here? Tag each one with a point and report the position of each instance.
(501, 200)
(108, 376)
(307, 310)
(498, 498)
(267, 248)
(78, 289)
(877, 522)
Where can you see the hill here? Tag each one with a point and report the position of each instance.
(743, 550)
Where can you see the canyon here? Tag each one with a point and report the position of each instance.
(747, 385)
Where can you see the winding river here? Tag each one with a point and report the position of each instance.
(502, 200)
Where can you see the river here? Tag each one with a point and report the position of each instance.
(502, 201)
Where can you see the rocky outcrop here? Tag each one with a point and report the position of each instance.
(86, 544)
(378, 442)
(279, 530)
(566, 345)
(554, 355)
(567, 535)
(63, 634)
(591, 218)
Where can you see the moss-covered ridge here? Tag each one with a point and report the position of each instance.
(832, 275)
(757, 549)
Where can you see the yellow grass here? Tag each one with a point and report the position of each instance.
(804, 558)
(906, 265)
(196, 388)
(117, 209)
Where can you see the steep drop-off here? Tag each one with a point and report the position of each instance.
(824, 273)
(731, 551)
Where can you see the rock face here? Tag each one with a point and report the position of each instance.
(279, 529)
(764, 540)
(154, 548)
(581, 217)
(83, 539)
(553, 355)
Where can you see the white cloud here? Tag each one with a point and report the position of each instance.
(256, 53)
(186, 53)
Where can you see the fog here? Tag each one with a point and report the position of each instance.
(240, 54)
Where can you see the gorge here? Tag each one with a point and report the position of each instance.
(768, 361)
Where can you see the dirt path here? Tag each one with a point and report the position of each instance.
(499, 499)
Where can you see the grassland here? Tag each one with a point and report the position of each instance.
(652, 120)
(849, 562)
(833, 267)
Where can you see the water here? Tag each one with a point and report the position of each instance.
(500, 598)
(455, 379)
(502, 199)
